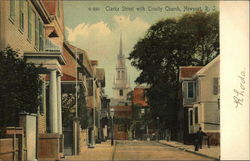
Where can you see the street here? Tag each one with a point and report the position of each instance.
(143, 150)
(134, 150)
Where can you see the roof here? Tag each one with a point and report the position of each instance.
(209, 65)
(86, 62)
(50, 6)
(139, 97)
(67, 77)
(41, 9)
(188, 71)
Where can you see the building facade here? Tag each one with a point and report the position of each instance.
(186, 97)
(27, 26)
(141, 110)
(199, 102)
(206, 108)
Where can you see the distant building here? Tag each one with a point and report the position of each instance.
(141, 124)
(121, 85)
(121, 102)
(122, 123)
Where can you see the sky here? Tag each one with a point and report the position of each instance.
(95, 27)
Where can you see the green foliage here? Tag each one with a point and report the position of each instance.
(68, 106)
(192, 39)
(20, 87)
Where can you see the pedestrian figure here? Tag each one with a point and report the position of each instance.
(196, 147)
(199, 136)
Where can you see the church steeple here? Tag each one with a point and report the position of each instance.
(121, 84)
(120, 51)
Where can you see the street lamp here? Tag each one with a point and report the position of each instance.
(158, 128)
(112, 112)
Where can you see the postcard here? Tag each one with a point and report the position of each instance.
(124, 80)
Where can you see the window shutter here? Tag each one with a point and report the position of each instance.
(21, 14)
(12, 9)
(41, 36)
(196, 115)
(29, 23)
(191, 118)
(216, 86)
(36, 32)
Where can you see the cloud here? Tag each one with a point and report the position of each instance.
(102, 42)
(86, 30)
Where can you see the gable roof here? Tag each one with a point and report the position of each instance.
(209, 65)
(187, 72)
(86, 62)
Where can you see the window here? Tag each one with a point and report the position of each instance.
(36, 32)
(121, 92)
(81, 57)
(190, 89)
(216, 86)
(21, 14)
(12, 9)
(196, 115)
(41, 36)
(197, 87)
(29, 23)
(118, 75)
(191, 118)
(123, 75)
(90, 88)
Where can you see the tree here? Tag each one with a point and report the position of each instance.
(69, 104)
(20, 87)
(193, 39)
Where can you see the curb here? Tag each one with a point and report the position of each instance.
(113, 153)
(190, 151)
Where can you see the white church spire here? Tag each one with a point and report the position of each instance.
(121, 84)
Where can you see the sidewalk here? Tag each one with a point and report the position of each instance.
(103, 151)
(213, 152)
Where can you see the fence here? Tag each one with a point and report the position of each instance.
(12, 145)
